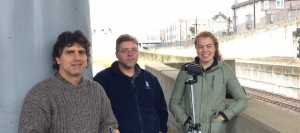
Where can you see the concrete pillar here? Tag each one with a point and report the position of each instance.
(29, 29)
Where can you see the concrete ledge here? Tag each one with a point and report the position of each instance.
(270, 76)
(264, 118)
(164, 58)
(257, 118)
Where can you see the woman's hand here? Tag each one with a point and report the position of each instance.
(220, 117)
(116, 131)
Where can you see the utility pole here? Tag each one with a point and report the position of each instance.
(186, 32)
(180, 33)
(298, 48)
(196, 32)
(18, 63)
(234, 17)
(254, 14)
(196, 26)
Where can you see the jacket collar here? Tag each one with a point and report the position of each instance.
(117, 71)
(214, 64)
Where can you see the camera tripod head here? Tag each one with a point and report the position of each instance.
(192, 69)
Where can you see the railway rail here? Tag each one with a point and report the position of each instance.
(289, 104)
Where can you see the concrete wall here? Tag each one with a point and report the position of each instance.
(280, 79)
(257, 118)
(276, 75)
(273, 40)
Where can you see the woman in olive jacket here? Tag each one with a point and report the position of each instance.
(209, 91)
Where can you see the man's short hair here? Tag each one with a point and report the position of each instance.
(125, 38)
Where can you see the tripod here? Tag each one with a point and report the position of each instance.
(194, 127)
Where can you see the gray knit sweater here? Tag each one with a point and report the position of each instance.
(54, 106)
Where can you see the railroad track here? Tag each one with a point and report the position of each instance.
(280, 101)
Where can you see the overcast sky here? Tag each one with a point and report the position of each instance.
(140, 17)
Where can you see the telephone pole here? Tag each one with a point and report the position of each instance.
(196, 32)
(180, 32)
(254, 14)
(196, 27)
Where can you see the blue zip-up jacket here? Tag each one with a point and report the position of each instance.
(138, 102)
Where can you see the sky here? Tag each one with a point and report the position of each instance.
(141, 17)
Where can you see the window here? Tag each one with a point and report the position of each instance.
(279, 3)
(220, 20)
(272, 19)
(248, 20)
(266, 5)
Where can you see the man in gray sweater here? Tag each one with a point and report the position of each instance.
(67, 102)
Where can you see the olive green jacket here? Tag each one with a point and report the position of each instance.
(209, 96)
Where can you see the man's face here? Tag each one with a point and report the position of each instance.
(72, 62)
(127, 54)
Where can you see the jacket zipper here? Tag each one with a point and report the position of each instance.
(139, 112)
(201, 104)
(137, 106)
(212, 82)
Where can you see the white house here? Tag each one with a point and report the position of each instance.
(247, 15)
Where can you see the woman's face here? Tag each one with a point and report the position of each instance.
(206, 50)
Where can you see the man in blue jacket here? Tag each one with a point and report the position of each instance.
(136, 96)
